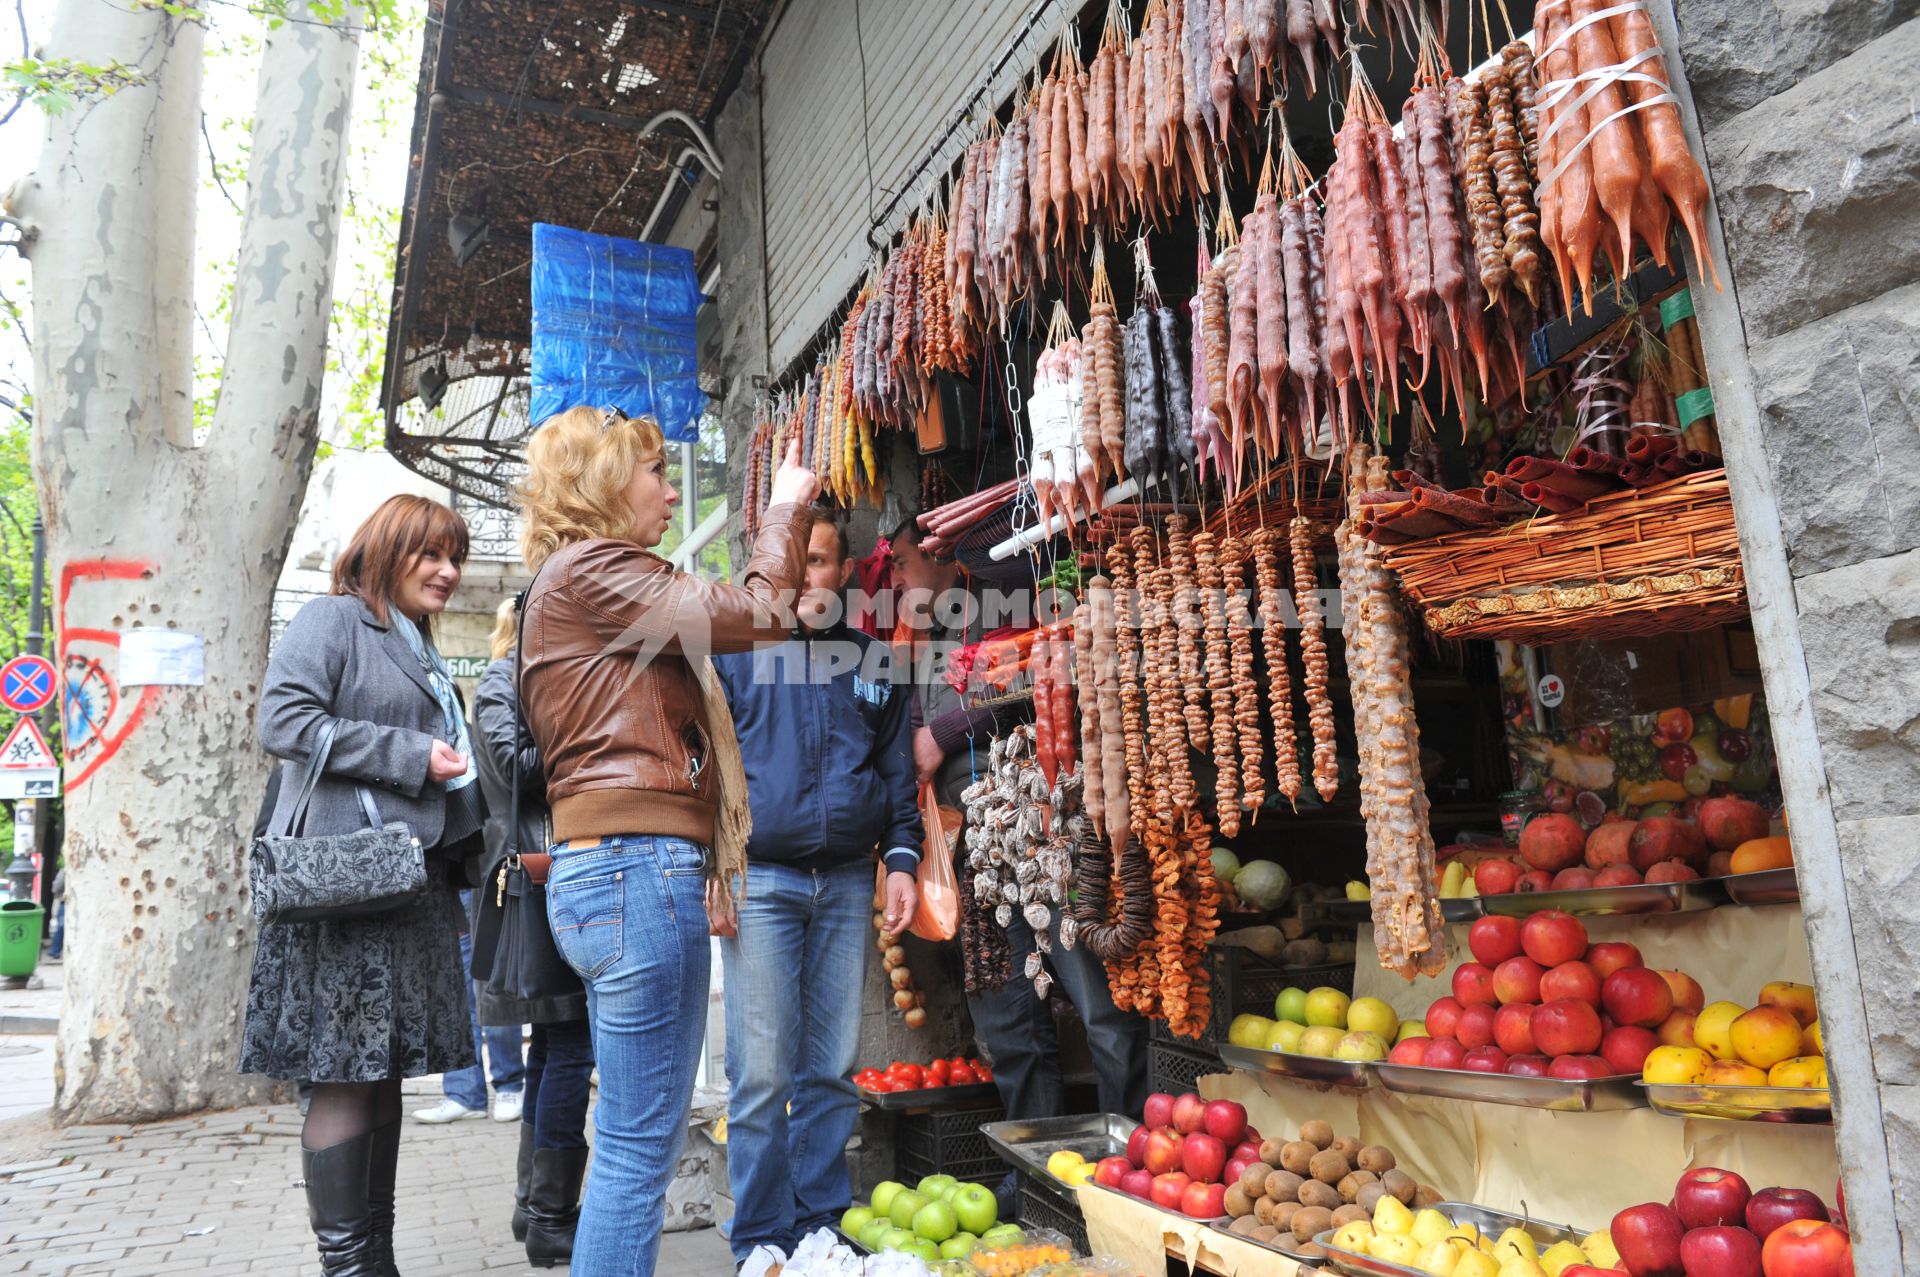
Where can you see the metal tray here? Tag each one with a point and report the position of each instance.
(1026, 1146)
(1457, 909)
(1300, 1068)
(1802, 1105)
(1767, 887)
(1560, 1095)
(1224, 1225)
(1484, 1218)
(932, 1097)
(1657, 897)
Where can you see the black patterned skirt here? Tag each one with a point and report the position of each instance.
(361, 999)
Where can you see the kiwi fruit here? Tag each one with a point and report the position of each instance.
(1353, 1181)
(1317, 1133)
(1283, 1186)
(1426, 1195)
(1348, 1214)
(1254, 1178)
(1349, 1147)
(1263, 1209)
(1311, 1221)
(1270, 1151)
(1315, 1193)
(1313, 1250)
(1244, 1225)
(1266, 1234)
(1376, 1159)
(1238, 1203)
(1400, 1184)
(1281, 1216)
(1328, 1166)
(1298, 1157)
(1370, 1195)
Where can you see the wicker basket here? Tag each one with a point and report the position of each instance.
(1643, 561)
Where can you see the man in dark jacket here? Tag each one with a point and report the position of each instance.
(825, 739)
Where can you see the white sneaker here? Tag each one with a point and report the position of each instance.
(447, 1111)
(506, 1106)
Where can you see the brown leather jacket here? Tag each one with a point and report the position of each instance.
(610, 698)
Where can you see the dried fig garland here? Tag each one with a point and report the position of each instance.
(1219, 657)
(1187, 623)
(1246, 691)
(1093, 764)
(1273, 638)
(1127, 665)
(1313, 653)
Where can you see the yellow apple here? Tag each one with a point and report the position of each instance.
(1713, 1029)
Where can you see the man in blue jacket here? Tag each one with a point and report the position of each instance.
(825, 738)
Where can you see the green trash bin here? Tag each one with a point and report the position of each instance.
(20, 924)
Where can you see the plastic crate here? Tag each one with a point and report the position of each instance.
(909, 1169)
(948, 1142)
(1245, 985)
(1174, 1068)
(1041, 1209)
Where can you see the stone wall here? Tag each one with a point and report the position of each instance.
(1814, 154)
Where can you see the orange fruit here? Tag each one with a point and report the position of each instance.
(1762, 853)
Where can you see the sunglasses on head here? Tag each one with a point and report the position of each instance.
(610, 415)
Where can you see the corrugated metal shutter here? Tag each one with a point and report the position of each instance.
(924, 58)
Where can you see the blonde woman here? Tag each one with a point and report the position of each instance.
(643, 775)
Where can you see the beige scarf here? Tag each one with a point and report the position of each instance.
(734, 822)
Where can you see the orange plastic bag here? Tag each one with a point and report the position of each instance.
(938, 916)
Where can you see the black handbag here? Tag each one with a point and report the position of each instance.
(514, 955)
(297, 877)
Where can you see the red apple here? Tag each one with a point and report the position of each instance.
(1551, 937)
(1159, 1110)
(1486, 1059)
(1528, 1066)
(1137, 1183)
(1513, 1028)
(1610, 956)
(1580, 1068)
(1444, 1053)
(1671, 871)
(1204, 1201)
(1588, 1270)
(1627, 1048)
(1168, 1189)
(1494, 938)
(1442, 1016)
(1807, 1248)
(1676, 1029)
(1534, 880)
(1517, 980)
(1112, 1171)
(1137, 1145)
(1648, 1239)
(1163, 1150)
(1226, 1121)
(1473, 984)
(1245, 1151)
(1189, 1113)
(1578, 878)
(1617, 876)
(1687, 993)
(1567, 1026)
(1476, 1027)
(1707, 1196)
(1203, 1157)
(1771, 1207)
(1721, 1252)
(1496, 877)
(1635, 995)
(1571, 980)
(1413, 1051)
(1252, 1137)
(1235, 1165)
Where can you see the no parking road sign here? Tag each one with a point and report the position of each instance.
(26, 684)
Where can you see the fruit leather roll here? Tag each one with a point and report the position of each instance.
(1643, 448)
(1549, 500)
(1558, 477)
(1636, 475)
(1586, 459)
(1411, 479)
(1454, 506)
(1502, 495)
(1382, 536)
(1387, 496)
(1409, 520)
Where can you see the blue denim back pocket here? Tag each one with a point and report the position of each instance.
(680, 857)
(587, 916)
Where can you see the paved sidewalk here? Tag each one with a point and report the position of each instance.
(215, 1195)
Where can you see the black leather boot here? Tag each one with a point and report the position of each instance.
(553, 1204)
(336, 1181)
(522, 1175)
(382, 1168)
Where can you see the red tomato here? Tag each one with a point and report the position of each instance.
(962, 1074)
(912, 1076)
(982, 1072)
(868, 1079)
(938, 1073)
(883, 1085)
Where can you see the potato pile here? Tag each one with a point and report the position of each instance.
(1301, 1188)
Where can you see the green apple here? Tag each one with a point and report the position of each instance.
(958, 1246)
(1371, 1015)
(1327, 1008)
(1249, 1030)
(1291, 1005)
(1410, 1029)
(1362, 1045)
(883, 1194)
(935, 1221)
(975, 1208)
(855, 1219)
(906, 1204)
(1285, 1036)
(1321, 1040)
(871, 1235)
(921, 1249)
(1003, 1235)
(895, 1238)
(937, 1188)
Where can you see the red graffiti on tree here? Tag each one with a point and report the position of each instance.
(95, 718)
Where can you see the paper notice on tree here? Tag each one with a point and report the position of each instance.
(162, 656)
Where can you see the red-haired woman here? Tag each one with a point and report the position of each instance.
(356, 1005)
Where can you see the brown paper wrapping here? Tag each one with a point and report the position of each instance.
(1142, 1237)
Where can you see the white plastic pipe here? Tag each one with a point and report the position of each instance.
(1059, 523)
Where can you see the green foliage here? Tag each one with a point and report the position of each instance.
(56, 85)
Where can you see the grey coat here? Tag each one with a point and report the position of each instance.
(337, 660)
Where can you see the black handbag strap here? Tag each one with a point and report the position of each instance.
(513, 767)
(316, 765)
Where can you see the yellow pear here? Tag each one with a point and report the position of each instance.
(1395, 1248)
(1562, 1255)
(1476, 1263)
(1600, 1250)
(1392, 1218)
(1468, 1233)
(1441, 1259)
(1429, 1226)
(1354, 1236)
(1515, 1243)
(1521, 1267)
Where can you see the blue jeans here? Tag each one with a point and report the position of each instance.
(57, 939)
(501, 1044)
(630, 918)
(559, 1076)
(794, 979)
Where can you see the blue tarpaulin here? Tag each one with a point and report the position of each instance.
(613, 327)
